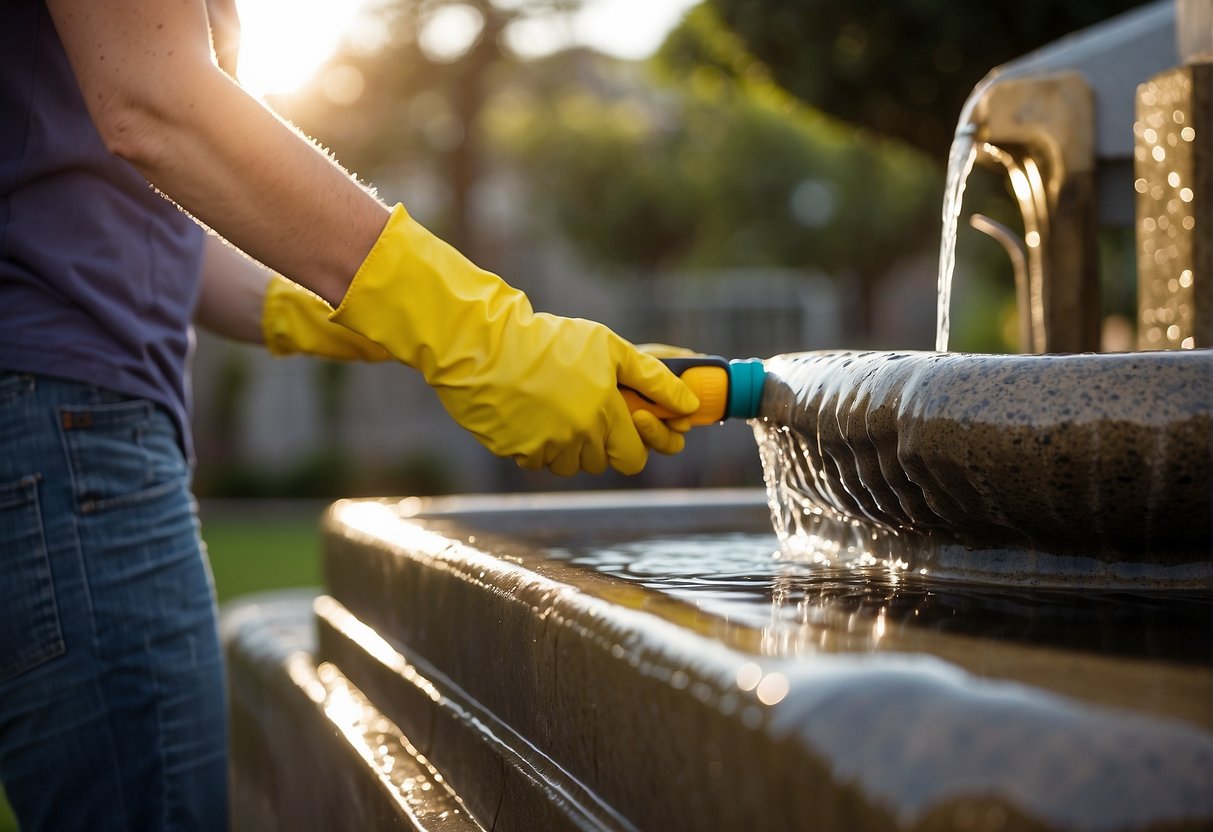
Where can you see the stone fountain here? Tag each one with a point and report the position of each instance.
(984, 604)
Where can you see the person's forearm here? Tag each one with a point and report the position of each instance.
(159, 102)
(232, 297)
(268, 191)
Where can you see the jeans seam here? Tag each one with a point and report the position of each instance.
(162, 741)
(142, 495)
(98, 649)
(56, 647)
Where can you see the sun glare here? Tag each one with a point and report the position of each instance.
(284, 42)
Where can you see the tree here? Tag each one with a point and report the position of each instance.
(712, 173)
(901, 68)
(419, 98)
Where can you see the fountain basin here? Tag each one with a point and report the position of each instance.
(579, 662)
(1093, 469)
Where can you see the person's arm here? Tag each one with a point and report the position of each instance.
(160, 102)
(245, 301)
(232, 296)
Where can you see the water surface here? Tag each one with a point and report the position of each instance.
(744, 578)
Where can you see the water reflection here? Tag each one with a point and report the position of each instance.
(744, 579)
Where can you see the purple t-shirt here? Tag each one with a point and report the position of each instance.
(99, 274)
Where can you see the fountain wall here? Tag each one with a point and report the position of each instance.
(550, 663)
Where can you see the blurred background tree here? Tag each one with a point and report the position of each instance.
(416, 98)
(665, 174)
(900, 68)
(904, 71)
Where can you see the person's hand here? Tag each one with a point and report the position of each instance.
(538, 388)
(666, 436)
(294, 320)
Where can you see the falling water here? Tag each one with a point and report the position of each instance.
(805, 490)
(961, 158)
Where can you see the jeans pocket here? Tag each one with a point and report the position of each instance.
(29, 616)
(120, 453)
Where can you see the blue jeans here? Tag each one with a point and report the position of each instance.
(112, 710)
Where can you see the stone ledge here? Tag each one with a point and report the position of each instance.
(653, 708)
(309, 751)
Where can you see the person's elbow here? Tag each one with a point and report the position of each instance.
(140, 121)
(128, 129)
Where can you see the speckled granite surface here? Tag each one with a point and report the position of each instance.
(1103, 457)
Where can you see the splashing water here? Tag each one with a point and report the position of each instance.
(961, 158)
(807, 529)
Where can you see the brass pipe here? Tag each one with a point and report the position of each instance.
(1013, 246)
(1039, 129)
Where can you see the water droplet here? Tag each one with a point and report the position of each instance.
(772, 689)
(748, 676)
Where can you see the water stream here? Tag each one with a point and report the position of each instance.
(961, 158)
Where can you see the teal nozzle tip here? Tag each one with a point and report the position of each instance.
(746, 377)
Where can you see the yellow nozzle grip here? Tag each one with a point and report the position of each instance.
(709, 382)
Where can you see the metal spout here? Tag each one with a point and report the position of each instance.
(1059, 121)
(1039, 129)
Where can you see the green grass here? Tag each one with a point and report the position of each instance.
(251, 550)
(251, 553)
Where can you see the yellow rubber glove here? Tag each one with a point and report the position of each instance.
(293, 320)
(664, 436)
(667, 351)
(538, 388)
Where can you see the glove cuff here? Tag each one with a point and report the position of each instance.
(294, 321)
(276, 314)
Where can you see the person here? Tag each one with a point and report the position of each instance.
(119, 137)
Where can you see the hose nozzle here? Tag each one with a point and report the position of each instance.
(726, 389)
